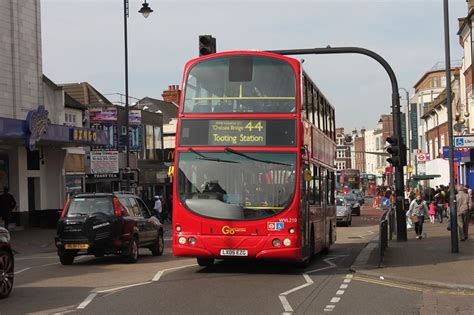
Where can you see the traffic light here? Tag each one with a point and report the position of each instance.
(207, 45)
(397, 151)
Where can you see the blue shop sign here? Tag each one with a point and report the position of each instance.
(459, 154)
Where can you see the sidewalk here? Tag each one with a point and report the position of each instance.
(28, 241)
(427, 261)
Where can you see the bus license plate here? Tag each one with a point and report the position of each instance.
(76, 246)
(234, 252)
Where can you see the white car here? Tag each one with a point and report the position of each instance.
(344, 213)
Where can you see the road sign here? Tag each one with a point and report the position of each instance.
(421, 157)
(466, 141)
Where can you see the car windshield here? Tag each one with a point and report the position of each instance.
(241, 84)
(236, 185)
(340, 201)
(88, 205)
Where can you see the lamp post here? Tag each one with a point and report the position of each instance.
(452, 197)
(145, 10)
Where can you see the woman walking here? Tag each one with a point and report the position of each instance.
(417, 212)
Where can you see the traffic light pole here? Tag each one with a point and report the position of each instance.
(397, 123)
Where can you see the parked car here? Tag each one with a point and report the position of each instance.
(7, 264)
(344, 213)
(353, 201)
(107, 224)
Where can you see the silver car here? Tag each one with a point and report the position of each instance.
(344, 213)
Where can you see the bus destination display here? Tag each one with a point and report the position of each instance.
(237, 132)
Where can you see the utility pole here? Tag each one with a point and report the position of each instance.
(452, 197)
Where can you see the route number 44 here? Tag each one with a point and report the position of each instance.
(250, 126)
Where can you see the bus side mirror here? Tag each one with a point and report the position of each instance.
(307, 175)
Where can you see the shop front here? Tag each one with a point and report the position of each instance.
(32, 164)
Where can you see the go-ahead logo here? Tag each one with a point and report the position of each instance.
(227, 230)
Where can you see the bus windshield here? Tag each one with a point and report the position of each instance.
(241, 84)
(230, 186)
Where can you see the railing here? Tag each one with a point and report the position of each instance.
(386, 229)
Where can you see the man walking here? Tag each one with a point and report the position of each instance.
(464, 206)
(158, 208)
(7, 204)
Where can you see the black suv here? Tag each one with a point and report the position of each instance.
(107, 223)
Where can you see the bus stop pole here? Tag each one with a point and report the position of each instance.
(397, 127)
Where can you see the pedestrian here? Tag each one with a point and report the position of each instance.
(7, 204)
(158, 208)
(463, 202)
(417, 212)
(432, 211)
(440, 200)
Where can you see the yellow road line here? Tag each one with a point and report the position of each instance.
(412, 287)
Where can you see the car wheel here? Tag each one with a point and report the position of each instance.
(205, 262)
(6, 273)
(132, 256)
(66, 259)
(159, 246)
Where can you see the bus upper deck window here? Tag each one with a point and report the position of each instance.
(240, 69)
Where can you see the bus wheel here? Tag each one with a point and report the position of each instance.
(205, 262)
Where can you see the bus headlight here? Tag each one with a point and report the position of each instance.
(182, 240)
(287, 242)
(178, 228)
(276, 242)
(291, 231)
(192, 241)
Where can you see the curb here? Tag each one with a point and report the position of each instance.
(361, 263)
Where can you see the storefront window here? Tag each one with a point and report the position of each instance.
(153, 136)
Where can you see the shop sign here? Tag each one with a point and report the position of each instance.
(83, 135)
(37, 122)
(169, 155)
(104, 162)
(102, 176)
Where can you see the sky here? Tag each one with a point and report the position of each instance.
(83, 40)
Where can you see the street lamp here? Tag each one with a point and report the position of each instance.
(452, 197)
(145, 10)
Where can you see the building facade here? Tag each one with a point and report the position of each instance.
(343, 150)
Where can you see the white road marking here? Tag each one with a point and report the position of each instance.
(286, 305)
(88, 299)
(157, 277)
(336, 299)
(161, 272)
(282, 296)
(20, 271)
(124, 287)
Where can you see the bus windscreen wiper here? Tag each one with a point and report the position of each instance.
(205, 158)
(227, 149)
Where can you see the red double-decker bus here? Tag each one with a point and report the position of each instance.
(254, 162)
(349, 180)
